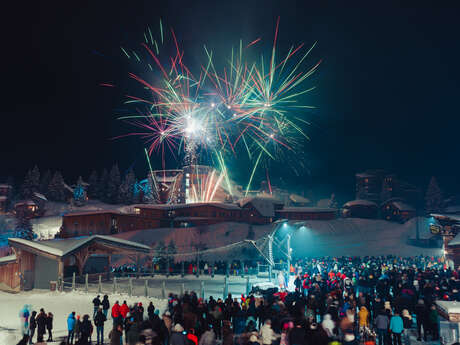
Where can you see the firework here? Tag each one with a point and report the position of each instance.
(247, 107)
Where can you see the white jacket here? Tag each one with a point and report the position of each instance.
(267, 334)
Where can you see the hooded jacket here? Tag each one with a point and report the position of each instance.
(71, 322)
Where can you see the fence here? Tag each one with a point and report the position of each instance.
(155, 287)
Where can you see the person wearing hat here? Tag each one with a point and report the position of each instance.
(177, 335)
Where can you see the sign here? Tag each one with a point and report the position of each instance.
(435, 229)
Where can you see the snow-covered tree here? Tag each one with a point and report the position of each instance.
(150, 194)
(79, 192)
(31, 183)
(93, 185)
(102, 185)
(113, 184)
(23, 227)
(333, 201)
(126, 190)
(433, 197)
(56, 189)
(45, 182)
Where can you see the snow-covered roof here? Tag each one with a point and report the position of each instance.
(4, 185)
(63, 247)
(40, 196)
(453, 217)
(25, 202)
(3, 197)
(265, 206)
(191, 205)
(7, 259)
(403, 206)
(455, 241)
(299, 199)
(86, 213)
(359, 202)
(307, 209)
(364, 175)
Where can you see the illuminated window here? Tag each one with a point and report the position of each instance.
(137, 210)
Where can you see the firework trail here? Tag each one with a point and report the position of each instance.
(251, 108)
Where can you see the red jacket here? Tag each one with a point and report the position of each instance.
(193, 338)
(124, 310)
(116, 310)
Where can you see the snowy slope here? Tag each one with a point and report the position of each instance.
(344, 236)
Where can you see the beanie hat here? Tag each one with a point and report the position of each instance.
(178, 328)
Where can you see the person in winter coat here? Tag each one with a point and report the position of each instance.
(24, 317)
(297, 334)
(86, 329)
(396, 328)
(115, 335)
(328, 325)
(132, 335)
(96, 303)
(77, 328)
(32, 326)
(177, 336)
(434, 322)
(99, 320)
(421, 314)
(71, 321)
(124, 310)
(208, 337)
(49, 326)
(24, 340)
(41, 323)
(407, 323)
(381, 324)
(116, 316)
(363, 317)
(151, 311)
(105, 305)
(267, 334)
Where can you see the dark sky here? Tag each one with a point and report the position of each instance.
(387, 90)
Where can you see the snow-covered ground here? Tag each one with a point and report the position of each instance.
(61, 305)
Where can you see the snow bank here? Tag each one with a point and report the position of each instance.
(61, 305)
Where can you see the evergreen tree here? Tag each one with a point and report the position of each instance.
(31, 183)
(102, 186)
(150, 194)
(23, 227)
(433, 197)
(113, 184)
(56, 189)
(79, 193)
(126, 190)
(93, 185)
(333, 201)
(45, 182)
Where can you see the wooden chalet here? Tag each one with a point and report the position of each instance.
(397, 210)
(360, 209)
(35, 264)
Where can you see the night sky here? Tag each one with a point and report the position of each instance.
(387, 90)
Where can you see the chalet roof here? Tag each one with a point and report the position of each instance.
(7, 259)
(402, 206)
(453, 217)
(86, 213)
(40, 196)
(299, 199)
(181, 206)
(63, 247)
(265, 206)
(307, 209)
(359, 202)
(455, 241)
(25, 202)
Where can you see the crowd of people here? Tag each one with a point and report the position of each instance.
(349, 301)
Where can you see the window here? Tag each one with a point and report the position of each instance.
(137, 210)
